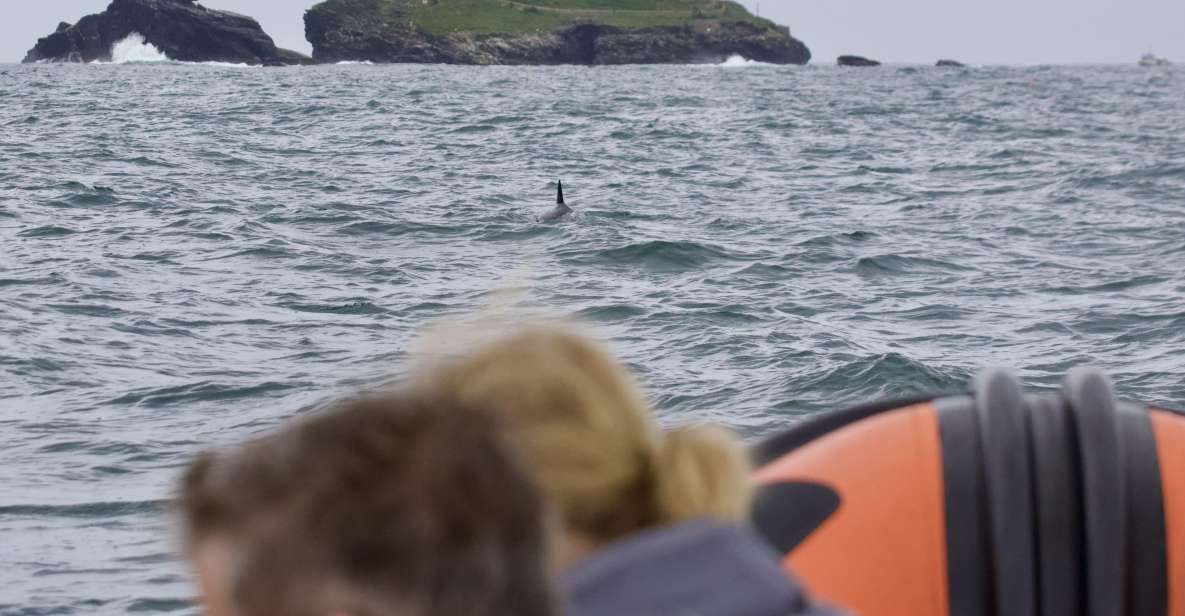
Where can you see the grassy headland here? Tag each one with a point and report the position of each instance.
(546, 32)
(530, 16)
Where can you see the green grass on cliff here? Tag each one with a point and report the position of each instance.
(526, 16)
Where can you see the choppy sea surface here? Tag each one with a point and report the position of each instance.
(190, 254)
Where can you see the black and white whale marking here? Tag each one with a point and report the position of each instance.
(560, 210)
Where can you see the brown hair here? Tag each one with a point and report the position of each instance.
(586, 431)
(385, 505)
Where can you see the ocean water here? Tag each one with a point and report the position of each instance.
(191, 254)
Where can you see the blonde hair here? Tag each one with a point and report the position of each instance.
(585, 430)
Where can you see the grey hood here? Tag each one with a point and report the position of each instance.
(699, 568)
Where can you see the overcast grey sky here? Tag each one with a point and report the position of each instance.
(980, 31)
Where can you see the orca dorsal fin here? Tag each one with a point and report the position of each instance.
(559, 193)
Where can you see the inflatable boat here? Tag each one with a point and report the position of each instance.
(991, 502)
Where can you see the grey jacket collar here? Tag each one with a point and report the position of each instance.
(700, 568)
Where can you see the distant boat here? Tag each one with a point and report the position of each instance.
(1151, 60)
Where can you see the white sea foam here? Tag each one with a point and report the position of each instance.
(739, 61)
(355, 62)
(134, 49)
(226, 64)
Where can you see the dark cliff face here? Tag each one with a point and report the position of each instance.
(705, 43)
(357, 30)
(181, 29)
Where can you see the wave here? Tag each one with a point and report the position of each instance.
(155, 604)
(840, 238)
(355, 307)
(664, 256)
(106, 509)
(739, 61)
(47, 231)
(133, 49)
(883, 375)
(202, 391)
(224, 64)
(893, 264)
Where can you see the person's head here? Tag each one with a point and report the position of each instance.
(406, 506)
(585, 429)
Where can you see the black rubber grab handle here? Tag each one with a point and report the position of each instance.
(1004, 431)
(1147, 552)
(1092, 402)
(1058, 506)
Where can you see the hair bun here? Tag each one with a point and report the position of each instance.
(701, 471)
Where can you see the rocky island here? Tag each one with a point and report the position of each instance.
(546, 32)
(182, 29)
(856, 61)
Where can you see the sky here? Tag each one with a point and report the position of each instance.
(894, 31)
